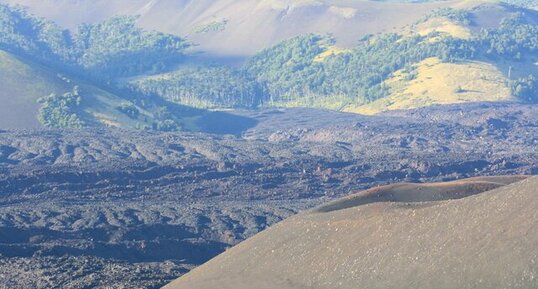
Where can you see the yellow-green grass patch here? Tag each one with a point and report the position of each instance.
(441, 83)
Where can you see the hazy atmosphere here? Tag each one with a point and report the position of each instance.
(265, 144)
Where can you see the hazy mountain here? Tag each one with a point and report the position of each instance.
(441, 53)
(141, 138)
(474, 233)
(231, 28)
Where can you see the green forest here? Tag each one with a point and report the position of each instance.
(209, 87)
(61, 111)
(155, 67)
(105, 50)
(287, 73)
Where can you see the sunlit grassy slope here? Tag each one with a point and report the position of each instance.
(441, 83)
(432, 82)
(445, 26)
(330, 51)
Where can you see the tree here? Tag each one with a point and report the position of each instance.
(61, 111)
(526, 88)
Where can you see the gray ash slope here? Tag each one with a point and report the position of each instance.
(474, 233)
(131, 209)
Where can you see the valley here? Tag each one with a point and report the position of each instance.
(129, 75)
(149, 140)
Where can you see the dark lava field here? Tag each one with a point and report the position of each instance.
(105, 208)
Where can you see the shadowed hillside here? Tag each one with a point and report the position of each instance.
(25, 83)
(22, 85)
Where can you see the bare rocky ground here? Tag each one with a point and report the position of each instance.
(131, 209)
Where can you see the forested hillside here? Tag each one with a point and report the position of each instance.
(65, 79)
(358, 76)
(112, 48)
(213, 86)
(293, 73)
(153, 78)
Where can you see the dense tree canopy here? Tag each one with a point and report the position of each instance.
(116, 47)
(35, 37)
(61, 111)
(208, 87)
(512, 39)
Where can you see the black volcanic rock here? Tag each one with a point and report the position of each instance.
(130, 199)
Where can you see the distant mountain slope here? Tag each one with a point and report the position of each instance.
(230, 28)
(447, 52)
(476, 233)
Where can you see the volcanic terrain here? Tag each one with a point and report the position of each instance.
(474, 233)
